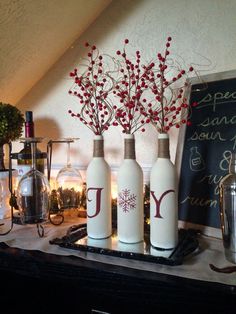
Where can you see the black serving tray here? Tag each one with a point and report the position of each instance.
(76, 239)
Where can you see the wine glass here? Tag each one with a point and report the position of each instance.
(69, 183)
(33, 192)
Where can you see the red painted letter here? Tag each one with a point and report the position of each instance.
(98, 200)
(158, 202)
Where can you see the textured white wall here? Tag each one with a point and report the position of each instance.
(34, 34)
(203, 32)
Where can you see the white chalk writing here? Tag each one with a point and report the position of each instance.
(216, 99)
(199, 201)
(206, 136)
(218, 121)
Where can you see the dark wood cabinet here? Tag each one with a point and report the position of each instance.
(44, 283)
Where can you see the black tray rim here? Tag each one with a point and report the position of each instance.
(188, 243)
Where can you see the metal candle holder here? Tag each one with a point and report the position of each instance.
(63, 197)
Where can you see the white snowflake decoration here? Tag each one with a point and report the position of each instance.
(127, 200)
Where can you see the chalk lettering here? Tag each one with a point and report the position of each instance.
(211, 180)
(218, 121)
(198, 201)
(224, 163)
(233, 139)
(216, 99)
(206, 136)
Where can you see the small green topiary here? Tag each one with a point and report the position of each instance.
(11, 123)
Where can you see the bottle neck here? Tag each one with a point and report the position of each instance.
(29, 129)
(163, 147)
(98, 148)
(129, 152)
(232, 164)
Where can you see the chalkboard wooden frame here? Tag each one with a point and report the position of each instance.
(218, 80)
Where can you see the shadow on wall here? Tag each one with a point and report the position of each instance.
(42, 127)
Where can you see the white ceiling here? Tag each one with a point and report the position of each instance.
(34, 34)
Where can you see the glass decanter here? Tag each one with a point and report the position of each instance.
(69, 183)
(33, 192)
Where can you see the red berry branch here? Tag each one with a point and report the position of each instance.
(92, 86)
(167, 83)
(142, 93)
(129, 90)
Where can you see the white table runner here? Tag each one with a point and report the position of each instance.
(194, 267)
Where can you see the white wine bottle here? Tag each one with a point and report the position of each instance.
(130, 210)
(98, 180)
(163, 198)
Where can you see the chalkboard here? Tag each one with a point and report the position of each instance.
(207, 145)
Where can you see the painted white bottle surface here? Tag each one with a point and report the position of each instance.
(163, 198)
(130, 216)
(98, 179)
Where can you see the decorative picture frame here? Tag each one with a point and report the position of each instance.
(204, 149)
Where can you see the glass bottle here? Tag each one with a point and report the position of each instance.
(130, 208)
(163, 198)
(24, 160)
(98, 180)
(228, 210)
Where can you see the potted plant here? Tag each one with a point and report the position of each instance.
(11, 123)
